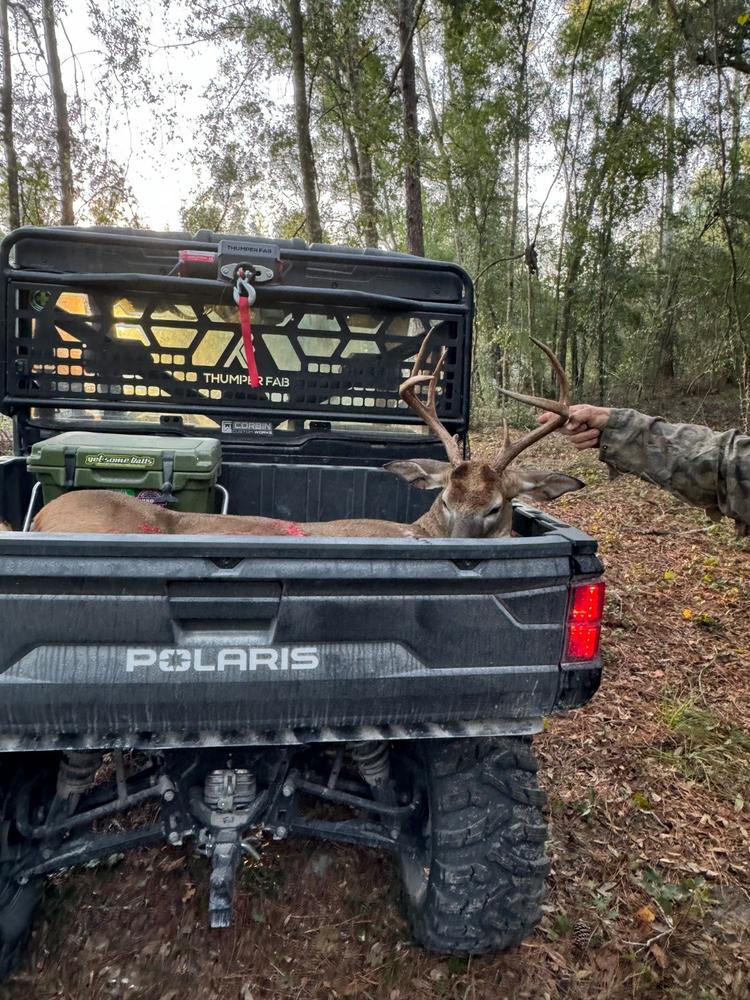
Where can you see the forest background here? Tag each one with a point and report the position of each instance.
(585, 160)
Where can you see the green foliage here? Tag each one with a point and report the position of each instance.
(562, 925)
(640, 801)
(221, 205)
(670, 896)
(605, 900)
(703, 749)
(644, 291)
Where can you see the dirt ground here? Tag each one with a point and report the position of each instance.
(649, 807)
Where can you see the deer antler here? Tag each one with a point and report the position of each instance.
(427, 411)
(508, 451)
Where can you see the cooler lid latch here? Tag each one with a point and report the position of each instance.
(168, 471)
(70, 461)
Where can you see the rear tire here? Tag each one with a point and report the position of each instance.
(17, 906)
(18, 902)
(475, 882)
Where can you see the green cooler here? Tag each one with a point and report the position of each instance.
(178, 472)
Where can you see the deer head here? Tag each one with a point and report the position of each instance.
(474, 499)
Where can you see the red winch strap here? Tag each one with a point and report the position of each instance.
(247, 338)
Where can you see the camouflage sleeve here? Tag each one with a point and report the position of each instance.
(706, 468)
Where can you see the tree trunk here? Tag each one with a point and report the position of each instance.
(439, 138)
(412, 173)
(362, 156)
(574, 358)
(666, 346)
(735, 102)
(302, 119)
(62, 121)
(513, 226)
(361, 163)
(605, 243)
(571, 277)
(366, 180)
(580, 225)
(6, 101)
(558, 275)
(521, 122)
(351, 142)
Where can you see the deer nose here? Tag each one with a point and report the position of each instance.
(471, 526)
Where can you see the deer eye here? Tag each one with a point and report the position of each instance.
(494, 510)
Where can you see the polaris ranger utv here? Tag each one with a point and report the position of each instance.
(380, 692)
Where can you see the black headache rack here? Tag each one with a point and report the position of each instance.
(120, 322)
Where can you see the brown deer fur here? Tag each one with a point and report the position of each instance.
(108, 512)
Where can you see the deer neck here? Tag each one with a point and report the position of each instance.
(430, 524)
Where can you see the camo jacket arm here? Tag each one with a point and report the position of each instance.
(706, 468)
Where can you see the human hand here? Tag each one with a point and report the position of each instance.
(584, 424)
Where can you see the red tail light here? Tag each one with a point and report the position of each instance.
(584, 621)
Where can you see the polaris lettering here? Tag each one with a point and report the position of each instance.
(239, 658)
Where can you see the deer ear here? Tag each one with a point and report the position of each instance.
(545, 485)
(424, 473)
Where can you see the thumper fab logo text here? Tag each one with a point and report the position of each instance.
(230, 658)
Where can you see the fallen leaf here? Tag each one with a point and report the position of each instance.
(660, 955)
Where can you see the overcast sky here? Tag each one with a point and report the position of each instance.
(162, 174)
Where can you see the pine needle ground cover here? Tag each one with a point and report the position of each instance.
(649, 802)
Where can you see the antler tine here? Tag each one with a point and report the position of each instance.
(509, 452)
(435, 378)
(419, 361)
(428, 411)
(555, 405)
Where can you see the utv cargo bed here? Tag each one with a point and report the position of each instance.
(158, 641)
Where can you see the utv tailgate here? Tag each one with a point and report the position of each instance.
(204, 641)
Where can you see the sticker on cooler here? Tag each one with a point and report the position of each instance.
(104, 461)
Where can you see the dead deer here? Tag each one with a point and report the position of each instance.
(474, 498)
(109, 512)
